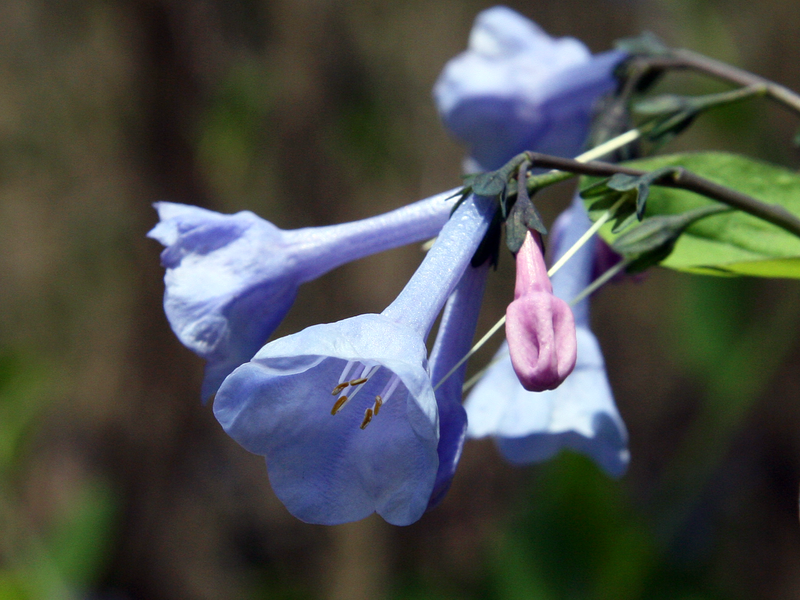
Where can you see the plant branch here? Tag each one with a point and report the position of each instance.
(686, 59)
(682, 179)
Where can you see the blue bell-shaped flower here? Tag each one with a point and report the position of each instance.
(516, 88)
(345, 413)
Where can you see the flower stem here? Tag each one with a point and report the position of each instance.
(495, 328)
(609, 214)
(599, 282)
(536, 182)
(682, 179)
(686, 59)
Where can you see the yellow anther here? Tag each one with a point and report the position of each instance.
(378, 404)
(339, 404)
(367, 418)
(339, 388)
(359, 381)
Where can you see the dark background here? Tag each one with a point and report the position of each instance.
(116, 483)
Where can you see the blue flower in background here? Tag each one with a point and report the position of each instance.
(345, 413)
(580, 414)
(231, 279)
(516, 89)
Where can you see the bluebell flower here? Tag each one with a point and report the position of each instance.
(453, 340)
(345, 413)
(580, 414)
(231, 279)
(516, 89)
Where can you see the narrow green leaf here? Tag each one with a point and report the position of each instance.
(653, 240)
(494, 183)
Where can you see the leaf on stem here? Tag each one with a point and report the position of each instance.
(671, 114)
(653, 241)
(495, 183)
(523, 216)
(735, 243)
(633, 189)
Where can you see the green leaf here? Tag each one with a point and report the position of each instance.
(640, 185)
(602, 198)
(732, 243)
(653, 240)
(672, 114)
(633, 190)
(491, 183)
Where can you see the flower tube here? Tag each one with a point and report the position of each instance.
(516, 89)
(580, 414)
(456, 330)
(345, 413)
(231, 279)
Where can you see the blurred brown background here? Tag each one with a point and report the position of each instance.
(116, 483)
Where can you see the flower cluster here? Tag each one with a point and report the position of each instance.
(356, 417)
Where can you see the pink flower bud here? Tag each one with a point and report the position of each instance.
(540, 328)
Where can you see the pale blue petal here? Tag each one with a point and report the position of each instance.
(516, 89)
(531, 427)
(324, 468)
(576, 274)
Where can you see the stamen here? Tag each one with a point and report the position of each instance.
(355, 384)
(387, 392)
(378, 404)
(339, 404)
(346, 371)
(366, 374)
(339, 388)
(367, 418)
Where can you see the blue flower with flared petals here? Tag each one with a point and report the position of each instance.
(345, 413)
(516, 89)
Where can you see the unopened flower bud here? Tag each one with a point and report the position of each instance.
(540, 327)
